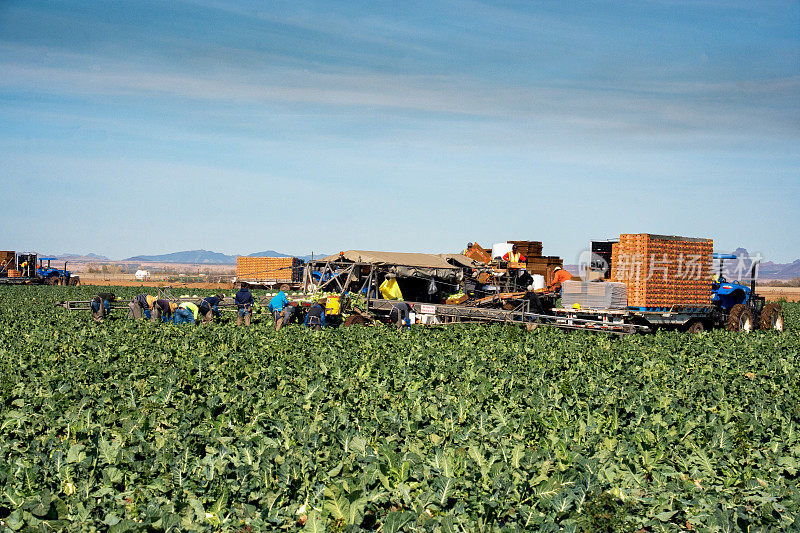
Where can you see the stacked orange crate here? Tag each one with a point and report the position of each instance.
(663, 271)
(268, 268)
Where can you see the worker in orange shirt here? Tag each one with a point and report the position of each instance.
(559, 276)
(514, 257)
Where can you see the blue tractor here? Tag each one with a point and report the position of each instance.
(55, 276)
(741, 307)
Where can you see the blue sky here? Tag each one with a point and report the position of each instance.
(151, 127)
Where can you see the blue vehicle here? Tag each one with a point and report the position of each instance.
(733, 305)
(741, 307)
(34, 270)
(54, 276)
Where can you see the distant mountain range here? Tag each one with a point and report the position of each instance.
(195, 257)
(740, 267)
(87, 257)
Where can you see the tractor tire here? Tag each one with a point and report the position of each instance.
(52, 280)
(285, 287)
(740, 319)
(696, 326)
(771, 317)
(74, 281)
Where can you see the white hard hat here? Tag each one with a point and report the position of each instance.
(556, 269)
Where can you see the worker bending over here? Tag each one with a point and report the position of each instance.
(559, 276)
(244, 306)
(187, 313)
(209, 307)
(162, 310)
(315, 318)
(399, 315)
(101, 305)
(140, 305)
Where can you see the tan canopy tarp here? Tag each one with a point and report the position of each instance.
(394, 258)
(460, 260)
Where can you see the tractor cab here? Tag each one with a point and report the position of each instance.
(726, 294)
(54, 276)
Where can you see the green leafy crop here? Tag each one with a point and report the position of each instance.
(134, 426)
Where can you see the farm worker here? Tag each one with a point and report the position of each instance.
(140, 303)
(101, 306)
(244, 304)
(281, 310)
(277, 303)
(399, 314)
(513, 256)
(524, 280)
(163, 310)
(183, 316)
(187, 313)
(315, 318)
(209, 307)
(559, 276)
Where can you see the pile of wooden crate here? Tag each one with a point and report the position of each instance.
(536, 263)
(663, 270)
(269, 268)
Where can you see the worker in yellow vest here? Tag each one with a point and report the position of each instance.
(181, 315)
(513, 256)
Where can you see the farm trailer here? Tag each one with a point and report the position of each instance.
(29, 269)
(361, 272)
(675, 300)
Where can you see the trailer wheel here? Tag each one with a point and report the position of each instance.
(284, 287)
(772, 317)
(696, 326)
(740, 318)
(355, 320)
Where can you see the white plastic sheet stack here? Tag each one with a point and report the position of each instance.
(594, 295)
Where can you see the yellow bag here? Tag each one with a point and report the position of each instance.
(390, 289)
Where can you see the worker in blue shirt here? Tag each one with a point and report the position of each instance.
(244, 306)
(315, 318)
(281, 310)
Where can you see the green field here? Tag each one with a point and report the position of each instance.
(133, 426)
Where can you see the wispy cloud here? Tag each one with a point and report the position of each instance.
(769, 106)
